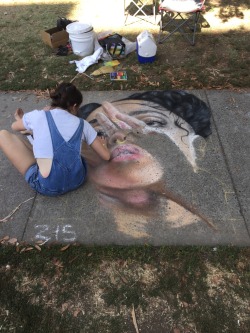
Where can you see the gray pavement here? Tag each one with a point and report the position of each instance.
(220, 188)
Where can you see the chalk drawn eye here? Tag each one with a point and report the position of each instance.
(155, 123)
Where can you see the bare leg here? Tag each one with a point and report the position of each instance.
(24, 139)
(16, 151)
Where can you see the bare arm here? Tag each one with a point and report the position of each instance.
(18, 126)
(100, 147)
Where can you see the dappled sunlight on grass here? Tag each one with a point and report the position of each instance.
(217, 24)
(94, 289)
(109, 14)
(219, 59)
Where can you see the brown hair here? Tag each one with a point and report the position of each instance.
(65, 95)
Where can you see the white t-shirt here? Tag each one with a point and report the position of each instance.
(66, 123)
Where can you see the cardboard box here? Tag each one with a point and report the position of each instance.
(55, 37)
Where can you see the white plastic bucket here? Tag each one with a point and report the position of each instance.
(81, 36)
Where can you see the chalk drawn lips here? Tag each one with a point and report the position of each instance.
(125, 153)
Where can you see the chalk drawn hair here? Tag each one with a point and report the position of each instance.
(185, 105)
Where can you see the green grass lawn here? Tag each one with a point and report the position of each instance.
(219, 60)
(96, 289)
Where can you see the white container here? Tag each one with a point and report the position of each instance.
(81, 36)
(146, 47)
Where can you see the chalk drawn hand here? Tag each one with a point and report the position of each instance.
(111, 131)
(110, 123)
(113, 120)
(108, 127)
(135, 124)
(123, 121)
(113, 115)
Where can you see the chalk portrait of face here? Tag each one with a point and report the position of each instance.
(152, 139)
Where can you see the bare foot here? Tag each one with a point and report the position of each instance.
(19, 114)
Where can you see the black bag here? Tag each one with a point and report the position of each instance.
(62, 23)
(113, 45)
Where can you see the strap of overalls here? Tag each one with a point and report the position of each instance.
(56, 136)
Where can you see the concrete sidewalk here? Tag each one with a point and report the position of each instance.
(222, 188)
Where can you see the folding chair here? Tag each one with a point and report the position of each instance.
(180, 16)
(140, 9)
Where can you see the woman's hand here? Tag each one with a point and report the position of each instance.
(26, 132)
(103, 140)
(100, 147)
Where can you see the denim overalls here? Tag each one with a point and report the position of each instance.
(68, 170)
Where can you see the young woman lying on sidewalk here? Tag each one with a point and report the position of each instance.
(55, 166)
